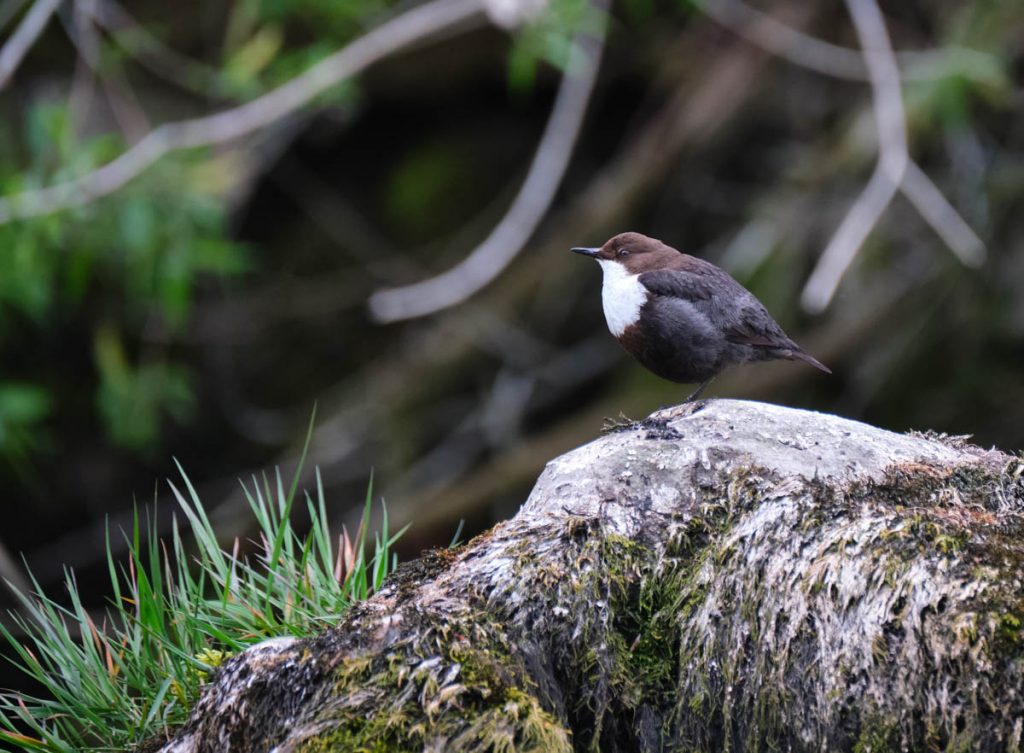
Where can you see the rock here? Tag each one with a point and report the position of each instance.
(721, 576)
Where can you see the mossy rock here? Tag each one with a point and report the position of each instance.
(727, 576)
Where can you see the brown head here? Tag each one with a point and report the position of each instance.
(635, 252)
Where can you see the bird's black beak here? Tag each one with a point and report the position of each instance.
(591, 252)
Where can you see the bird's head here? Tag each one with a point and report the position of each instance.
(633, 252)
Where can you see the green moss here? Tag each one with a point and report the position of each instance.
(645, 639)
(736, 694)
(410, 575)
(631, 653)
(469, 697)
(659, 643)
(922, 487)
(877, 736)
(1011, 624)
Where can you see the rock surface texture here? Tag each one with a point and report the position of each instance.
(723, 576)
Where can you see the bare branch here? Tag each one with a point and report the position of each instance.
(151, 53)
(24, 37)
(507, 239)
(895, 171)
(782, 40)
(509, 14)
(937, 211)
(122, 100)
(416, 25)
(890, 123)
(848, 238)
(884, 76)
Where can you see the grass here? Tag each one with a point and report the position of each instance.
(177, 612)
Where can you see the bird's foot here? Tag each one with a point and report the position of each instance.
(622, 423)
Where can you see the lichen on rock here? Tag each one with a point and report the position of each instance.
(723, 576)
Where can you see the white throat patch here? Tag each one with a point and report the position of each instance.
(622, 296)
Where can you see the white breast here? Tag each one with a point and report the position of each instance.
(622, 296)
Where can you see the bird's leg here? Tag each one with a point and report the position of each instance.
(696, 393)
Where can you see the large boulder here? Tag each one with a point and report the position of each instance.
(722, 576)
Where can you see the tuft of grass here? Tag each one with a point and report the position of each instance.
(110, 681)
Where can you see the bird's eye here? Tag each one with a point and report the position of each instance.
(622, 252)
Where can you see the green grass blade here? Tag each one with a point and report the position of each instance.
(113, 678)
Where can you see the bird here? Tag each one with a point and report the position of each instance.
(682, 317)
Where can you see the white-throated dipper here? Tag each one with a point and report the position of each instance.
(682, 317)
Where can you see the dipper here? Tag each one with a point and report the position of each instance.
(682, 317)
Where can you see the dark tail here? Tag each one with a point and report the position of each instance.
(800, 355)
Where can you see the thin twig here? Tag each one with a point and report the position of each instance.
(416, 25)
(860, 220)
(800, 48)
(123, 102)
(24, 37)
(534, 199)
(890, 124)
(841, 62)
(151, 53)
(940, 214)
(784, 41)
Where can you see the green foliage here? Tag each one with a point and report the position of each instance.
(121, 265)
(113, 681)
(256, 53)
(957, 79)
(254, 56)
(22, 408)
(548, 38)
(332, 19)
(131, 398)
(118, 270)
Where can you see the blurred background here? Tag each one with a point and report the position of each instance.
(196, 310)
